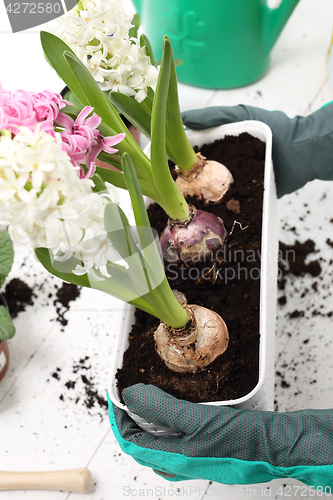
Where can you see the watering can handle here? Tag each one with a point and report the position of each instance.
(77, 480)
(274, 21)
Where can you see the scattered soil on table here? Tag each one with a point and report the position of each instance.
(233, 291)
(18, 295)
(282, 300)
(296, 314)
(306, 278)
(65, 295)
(81, 387)
(292, 261)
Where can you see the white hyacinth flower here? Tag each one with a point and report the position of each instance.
(44, 202)
(98, 33)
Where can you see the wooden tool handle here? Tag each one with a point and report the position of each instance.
(78, 480)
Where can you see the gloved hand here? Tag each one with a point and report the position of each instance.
(224, 444)
(302, 146)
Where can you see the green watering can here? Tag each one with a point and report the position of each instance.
(222, 43)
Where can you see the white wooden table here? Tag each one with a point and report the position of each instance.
(46, 425)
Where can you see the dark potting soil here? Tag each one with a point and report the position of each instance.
(18, 295)
(65, 295)
(81, 387)
(292, 261)
(233, 291)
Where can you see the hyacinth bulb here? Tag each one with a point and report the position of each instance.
(193, 240)
(208, 179)
(196, 346)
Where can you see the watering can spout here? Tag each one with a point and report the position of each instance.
(274, 20)
(138, 5)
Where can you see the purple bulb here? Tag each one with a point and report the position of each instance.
(195, 240)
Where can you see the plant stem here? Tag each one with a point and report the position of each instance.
(117, 179)
(166, 306)
(176, 206)
(161, 297)
(170, 305)
(182, 152)
(128, 145)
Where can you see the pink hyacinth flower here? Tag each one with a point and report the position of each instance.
(82, 140)
(16, 109)
(104, 144)
(84, 126)
(47, 105)
(28, 109)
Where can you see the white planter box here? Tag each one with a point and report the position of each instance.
(261, 397)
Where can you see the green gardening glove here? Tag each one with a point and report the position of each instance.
(225, 444)
(302, 146)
